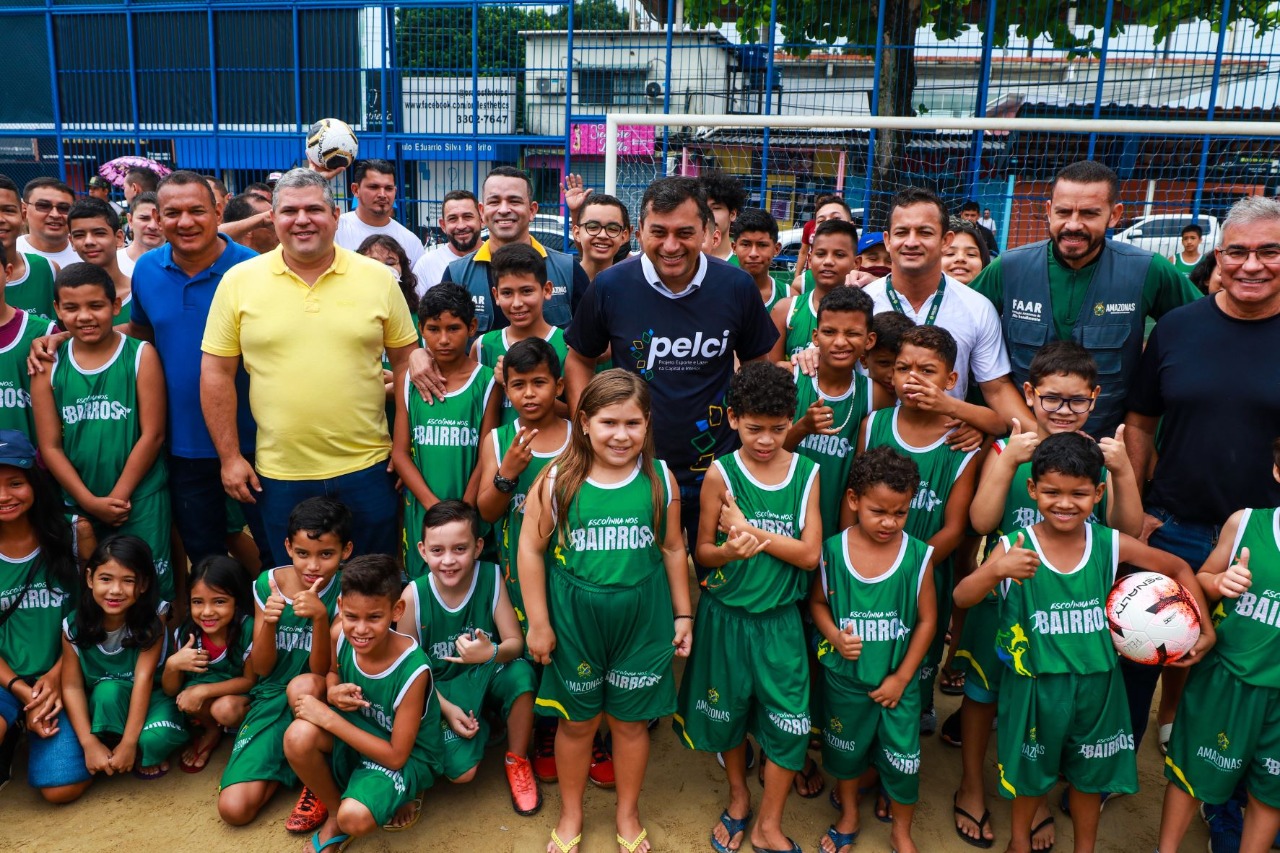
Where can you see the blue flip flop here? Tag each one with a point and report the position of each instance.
(794, 848)
(339, 842)
(839, 839)
(733, 826)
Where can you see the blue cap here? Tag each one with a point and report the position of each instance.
(16, 449)
(869, 239)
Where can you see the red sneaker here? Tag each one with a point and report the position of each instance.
(544, 751)
(308, 815)
(526, 798)
(601, 772)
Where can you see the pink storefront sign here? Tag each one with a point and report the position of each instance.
(589, 139)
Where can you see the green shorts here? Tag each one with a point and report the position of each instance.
(235, 516)
(976, 652)
(377, 788)
(151, 520)
(938, 645)
(748, 672)
(162, 732)
(258, 752)
(858, 733)
(1074, 725)
(1210, 751)
(478, 687)
(613, 650)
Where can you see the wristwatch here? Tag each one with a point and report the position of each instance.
(504, 485)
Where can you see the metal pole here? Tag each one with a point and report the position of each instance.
(1102, 74)
(297, 71)
(213, 89)
(768, 107)
(53, 90)
(1203, 169)
(666, 84)
(611, 155)
(133, 78)
(875, 111)
(568, 111)
(475, 96)
(980, 109)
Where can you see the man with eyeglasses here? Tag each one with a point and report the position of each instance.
(1080, 286)
(46, 203)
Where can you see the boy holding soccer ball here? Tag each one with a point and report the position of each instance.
(1227, 731)
(1062, 703)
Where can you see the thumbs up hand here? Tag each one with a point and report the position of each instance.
(1237, 578)
(307, 604)
(1019, 562)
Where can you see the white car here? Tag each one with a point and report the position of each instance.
(1162, 233)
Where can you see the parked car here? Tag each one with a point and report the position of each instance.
(1162, 233)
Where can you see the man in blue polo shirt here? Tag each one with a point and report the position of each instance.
(678, 319)
(172, 289)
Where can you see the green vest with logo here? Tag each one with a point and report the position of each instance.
(29, 637)
(440, 627)
(226, 665)
(384, 692)
(293, 634)
(833, 453)
(35, 292)
(1248, 626)
(802, 319)
(15, 384)
(494, 345)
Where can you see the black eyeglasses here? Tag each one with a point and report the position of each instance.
(593, 228)
(1053, 402)
(1234, 256)
(46, 206)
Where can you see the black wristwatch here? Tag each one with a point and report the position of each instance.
(504, 485)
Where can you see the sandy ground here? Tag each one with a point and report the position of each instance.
(684, 793)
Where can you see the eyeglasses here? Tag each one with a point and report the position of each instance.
(593, 228)
(1052, 403)
(46, 206)
(1234, 256)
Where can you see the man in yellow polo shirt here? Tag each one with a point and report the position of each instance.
(310, 321)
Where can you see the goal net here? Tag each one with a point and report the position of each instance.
(1172, 172)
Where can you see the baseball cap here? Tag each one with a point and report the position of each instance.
(16, 449)
(98, 182)
(869, 239)
(273, 177)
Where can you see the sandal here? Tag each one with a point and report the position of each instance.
(633, 846)
(841, 840)
(733, 826)
(794, 848)
(339, 842)
(158, 771)
(884, 808)
(563, 846)
(951, 681)
(416, 802)
(980, 842)
(803, 781)
(1039, 826)
(199, 756)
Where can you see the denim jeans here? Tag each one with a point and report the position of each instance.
(200, 510)
(1192, 542)
(369, 493)
(51, 762)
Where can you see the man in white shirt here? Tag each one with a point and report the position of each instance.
(460, 222)
(373, 183)
(917, 234)
(986, 221)
(46, 202)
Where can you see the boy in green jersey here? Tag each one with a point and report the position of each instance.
(95, 233)
(1227, 732)
(1061, 392)
(1063, 709)
(832, 258)
(831, 404)
(462, 616)
(373, 741)
(30, 283)
(761, 537)
(436, 445)
(887, 328)
(18, 329)
(755, 245)
(876, 611)
(520, 289)
(293, 608)
(100, 419)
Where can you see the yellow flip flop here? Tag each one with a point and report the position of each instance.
(417, 815)
(563, 846)
(632, 846)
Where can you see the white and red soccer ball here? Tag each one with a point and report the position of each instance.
(1153, 619)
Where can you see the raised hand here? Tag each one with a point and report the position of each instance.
(575, 194)
(1018, 563)
(1021, 444)
(189, 658)
(819, 419)
(1237, 579)
(519, 454)
(1114, 455)
(275, 603)
(307, 604)
(848, 644)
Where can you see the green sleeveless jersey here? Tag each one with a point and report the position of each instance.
(440, 627)
(1182, 266)
(98, 665)
(100, 422)
(29, 637)
(508, 527)
(939, 465)
(763, 582)
(444, 441)
(610, 540)
(15, 384)
(1056, 622)
(882, 610)
(1248, 626)
(494, 345)
(293, 633)
(779, 293)
(1021, 511)
(225, 666)
(35, 292)
(833, 453)
(385, 691)
(802, 319)
(126, 310)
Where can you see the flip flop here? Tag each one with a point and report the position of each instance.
(201, 755)
(339, 842)
(794, 848)
(1039, 826)
(632, 846)
(733, 826)
(882, 796)
(839, 839)
(951, 682)
(980, 842)
(805, 776)
(150, 777)
(565, 847)
(417, 815)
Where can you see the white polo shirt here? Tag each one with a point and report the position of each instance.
(352, 231)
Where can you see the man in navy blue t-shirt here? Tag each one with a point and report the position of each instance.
(678, 319)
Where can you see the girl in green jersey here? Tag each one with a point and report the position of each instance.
(609, 515)
(112, 647)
